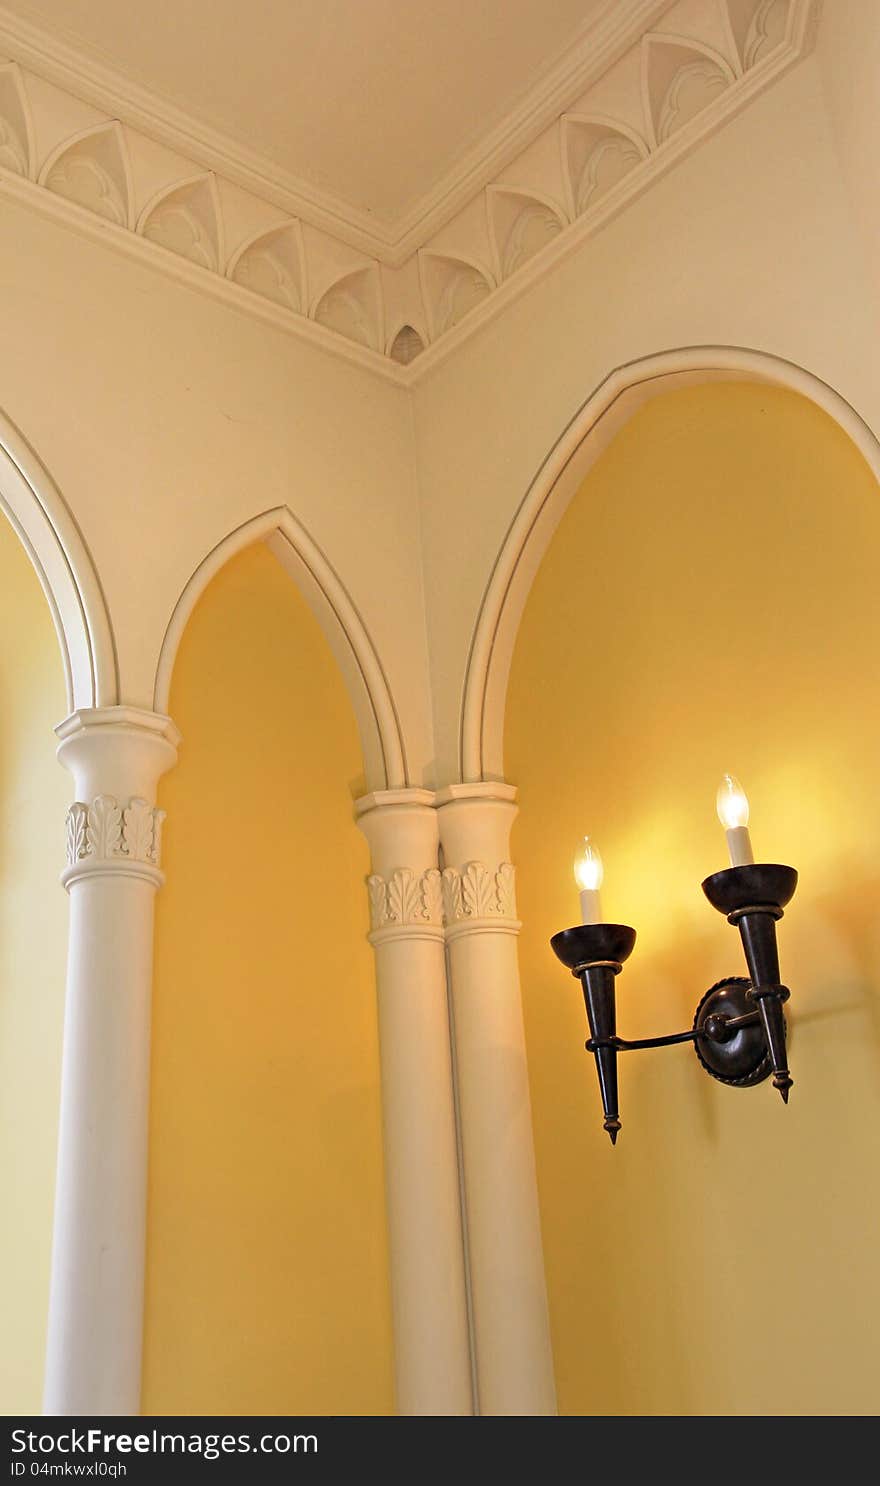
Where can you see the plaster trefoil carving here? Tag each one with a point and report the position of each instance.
(478, 891)
(451, 287)
(596, 157)
(758, 26)
(104, 831)
(681, 80)
(187, 220)
(520, 226)
(352, 307)
(92, 170)
(667, 88)
(405, 898)
(272, 265)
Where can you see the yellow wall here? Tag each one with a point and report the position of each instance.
(267, 1267)
(710, 602)
(34, 795)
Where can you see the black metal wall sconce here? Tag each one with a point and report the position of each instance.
(739, 1025)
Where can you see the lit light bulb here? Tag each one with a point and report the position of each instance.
(732, 805)
(588, 874)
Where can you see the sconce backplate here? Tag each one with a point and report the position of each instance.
(742, 1059)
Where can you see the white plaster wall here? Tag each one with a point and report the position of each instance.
(749, 242)
(168, 419)
(848, 57)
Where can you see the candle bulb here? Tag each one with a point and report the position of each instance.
(588, 874)
(733, 813)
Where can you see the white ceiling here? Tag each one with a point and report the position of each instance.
(373, 102)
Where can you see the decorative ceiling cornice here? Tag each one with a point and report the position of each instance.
(106, 161)
(389, 241)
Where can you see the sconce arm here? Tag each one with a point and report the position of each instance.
(720, 1029)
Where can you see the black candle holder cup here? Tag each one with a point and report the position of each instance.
(739, 1025)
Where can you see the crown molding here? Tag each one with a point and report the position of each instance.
(581, 64)
(107, 88)
(389, 240)
(79, 220)
(803, 18)
(196, 227)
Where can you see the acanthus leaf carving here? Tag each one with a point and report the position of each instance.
(104, 827)
(478, 892)
(505, 890)
(77, 816)
(432, 895)
(104, 831)
(405, 898)
(452, 900)
(155, 852)
(137, 830)
(378, 901)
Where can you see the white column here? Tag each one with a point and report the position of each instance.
(93, 1360)
(508, 1293)
(431, 1341)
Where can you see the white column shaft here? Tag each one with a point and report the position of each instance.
(93, 1359)
(431, 1340)
(513, 1353)
(93, 1362)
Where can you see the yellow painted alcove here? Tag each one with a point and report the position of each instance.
(709, 602)
(267, 1266)
(34, 796)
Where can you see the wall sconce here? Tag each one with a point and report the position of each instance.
(739, 1025)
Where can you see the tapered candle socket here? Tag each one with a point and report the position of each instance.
(753, 897)
(588, 874)
(594, 953)
(758, 934)
(732, 805)
(598, 987)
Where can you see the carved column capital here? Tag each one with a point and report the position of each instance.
(106, 838)
(407, 904)
(116, 756)
(479, 897)
(406, 900)
(479, 881)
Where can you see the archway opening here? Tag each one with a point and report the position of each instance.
(708, 603)
(267, 1265)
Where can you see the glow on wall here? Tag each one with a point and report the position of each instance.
(709, 604)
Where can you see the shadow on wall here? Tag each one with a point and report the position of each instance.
(708, 603)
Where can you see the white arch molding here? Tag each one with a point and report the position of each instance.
(46, 528)
(381, 734)
(609, 406)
